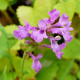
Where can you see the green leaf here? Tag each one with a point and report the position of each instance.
(28, 72)
(66, 7)
(12, 2)
(33, 15)
(3, 31)
(64, 66)
(49, 66)
(4, 62)
(5, 54)
(3, 4)
(75, 68)
(7, 75)
(10, 28)
(70, 77)
(3, 43)
(4, 75)
(3, 39)
(72, 50)
(78, 74)
(76, 24)
(78, 7)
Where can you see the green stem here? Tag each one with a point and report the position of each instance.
(22, 65)
(7, 16)
(10, 8)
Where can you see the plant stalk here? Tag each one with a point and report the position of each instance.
(7, 16)
(22, 65)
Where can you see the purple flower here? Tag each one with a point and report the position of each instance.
(54, 14)
(64, 20)
(38, 35)
(63, 28)
(36, 63)
(57, 48)
(46, 28)
(64, 32)
(28, 26)
(23, 31)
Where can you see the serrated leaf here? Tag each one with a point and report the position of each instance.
(33, 15)
(66, 7)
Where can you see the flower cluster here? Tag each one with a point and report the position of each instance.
(59, 27)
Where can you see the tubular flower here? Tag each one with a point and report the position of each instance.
(54, 29)
(38, 35)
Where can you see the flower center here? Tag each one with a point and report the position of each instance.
(42, 31)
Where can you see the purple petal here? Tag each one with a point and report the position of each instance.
(38, 36)
(57, 48)
(36, 63)
(21, 33)
(50, 13)
(42, 24)
(16, 32)
(39, 56)
(61, 46)
(63, 19)
(54, 14)
(64, 32)
(66, 36)
(59, 55)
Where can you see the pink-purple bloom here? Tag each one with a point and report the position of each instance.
(36, 63)
(21, 33)
(38, 35)
(46, 29)
(54, 14)
(57, 48)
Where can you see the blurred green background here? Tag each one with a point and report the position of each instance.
(12, 14)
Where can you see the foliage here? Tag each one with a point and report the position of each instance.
(5, 3)
(66, 7)
(31, 13)
(68, 68)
